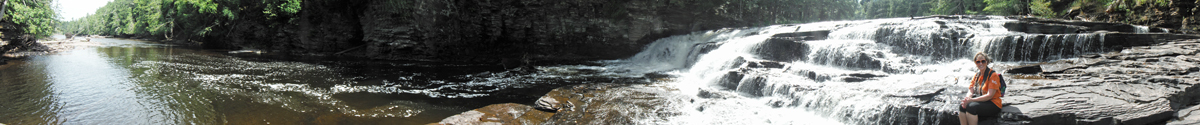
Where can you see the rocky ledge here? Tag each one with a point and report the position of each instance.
(1152, 84)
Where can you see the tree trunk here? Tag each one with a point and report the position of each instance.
(962, 7)
(1026, 9)
(3, 5)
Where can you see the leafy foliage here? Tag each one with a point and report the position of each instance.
(186, 19)
(34, 17)
(1004, 7)
(1042, 8)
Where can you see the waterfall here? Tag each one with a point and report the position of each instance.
(1040, 47)
(850, 71)
(1141, 29)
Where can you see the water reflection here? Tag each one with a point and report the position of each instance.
(135, 82)
(26, 96)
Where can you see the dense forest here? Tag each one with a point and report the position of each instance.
(186, 18)
(189, 18)
(485, 31)
(182, 19)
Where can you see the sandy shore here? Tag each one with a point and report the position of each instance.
(52, 46)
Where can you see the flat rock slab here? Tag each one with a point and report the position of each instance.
(1154, 84)
(1138, 85)
(498, 114)
(598, 104)
(587, 104)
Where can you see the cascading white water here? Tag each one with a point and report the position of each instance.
(853, 76)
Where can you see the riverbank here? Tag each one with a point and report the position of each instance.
(43, 47)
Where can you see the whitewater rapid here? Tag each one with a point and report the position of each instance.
(848, 73)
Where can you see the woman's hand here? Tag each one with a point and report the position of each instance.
(965, 101)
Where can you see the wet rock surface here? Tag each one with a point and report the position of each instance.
(588, 104)
(1124, 78)
(780, 49)
(507, 113)
(1153, 84)
(615, 104)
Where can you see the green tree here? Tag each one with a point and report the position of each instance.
(183, 19)
(1004, 7)
(33, 17)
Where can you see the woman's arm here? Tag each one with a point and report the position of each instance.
(986, 97)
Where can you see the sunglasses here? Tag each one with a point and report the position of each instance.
(980, 61)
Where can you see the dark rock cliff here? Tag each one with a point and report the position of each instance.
(489, 31)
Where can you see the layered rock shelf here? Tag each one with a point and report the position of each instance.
(1139, 85)
(1058, 72)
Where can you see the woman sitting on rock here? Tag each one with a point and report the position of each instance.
(985, 88)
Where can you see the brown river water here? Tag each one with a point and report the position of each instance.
(138, 82)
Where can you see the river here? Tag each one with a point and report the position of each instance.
(139, 82)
